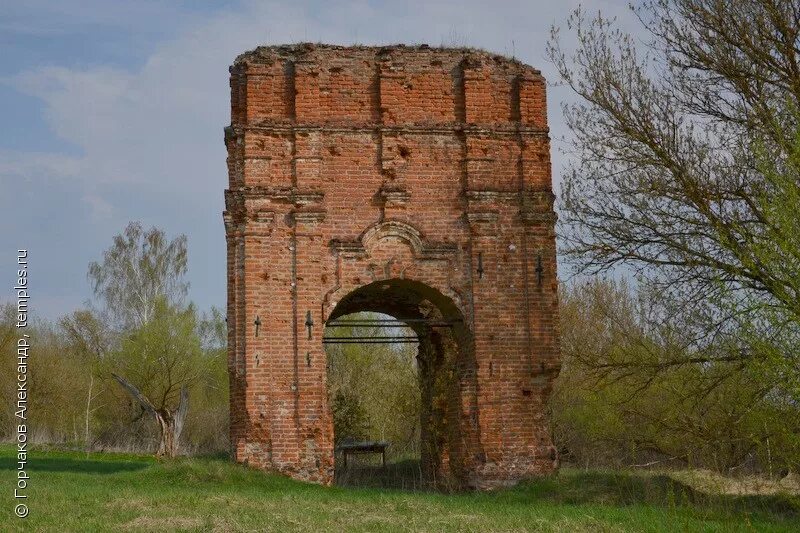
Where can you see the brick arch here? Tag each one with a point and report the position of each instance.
(396, 296)
(355, 165)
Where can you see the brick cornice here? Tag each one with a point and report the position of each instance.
(308, 216)
(421, 129)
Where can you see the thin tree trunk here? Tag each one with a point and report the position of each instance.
(166, 445)
(88, 412)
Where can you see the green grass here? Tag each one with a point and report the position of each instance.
(106, 492)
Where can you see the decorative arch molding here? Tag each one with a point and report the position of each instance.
(420, 246)
(353, 258)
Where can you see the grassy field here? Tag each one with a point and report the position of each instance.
(109, 492)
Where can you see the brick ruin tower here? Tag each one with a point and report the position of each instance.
(410, 181)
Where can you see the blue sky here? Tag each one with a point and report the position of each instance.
(114, 112)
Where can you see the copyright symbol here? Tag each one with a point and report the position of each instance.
(21, 510)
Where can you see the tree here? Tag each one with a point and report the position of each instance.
(687, 166)
(88, 339)
(139, 269)
(350, 419)
(8, 333)
(86, 333)
(626, 394)
(8, 329)
(160, 362)
(141, 284)
(206, 428)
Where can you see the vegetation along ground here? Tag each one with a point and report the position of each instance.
(73, 491)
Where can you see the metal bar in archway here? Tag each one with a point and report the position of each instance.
(386, 323)
(370, 340)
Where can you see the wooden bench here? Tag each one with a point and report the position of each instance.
(355, 448)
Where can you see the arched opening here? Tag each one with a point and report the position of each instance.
(401, 387)
(374, 394)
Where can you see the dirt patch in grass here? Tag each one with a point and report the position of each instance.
(168, 523)
(128, 504)
(714, 483)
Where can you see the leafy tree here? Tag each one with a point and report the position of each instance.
(8, 321)
(140, 268)
(687, 170)
(141, 284)
(206, 428)
(350, 419)
(610, 407)
(8, 336)
(88, 339)
(72, 387)
(87, 333)
(54, 376)
(159, 362)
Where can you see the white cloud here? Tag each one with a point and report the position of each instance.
(162, 123)
(38, 166)
(100, 209)
(43, 18)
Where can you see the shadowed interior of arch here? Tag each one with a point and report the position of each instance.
(391, 347)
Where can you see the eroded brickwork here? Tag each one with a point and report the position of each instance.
(407, 180)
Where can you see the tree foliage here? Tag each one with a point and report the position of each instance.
(687, 171)
(626, 395)
(137, 271)
(158, 354)
(686, 147)
(162, 355)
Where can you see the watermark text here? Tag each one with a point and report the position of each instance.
(21, 289)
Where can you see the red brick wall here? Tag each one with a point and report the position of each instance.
(354, 165)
